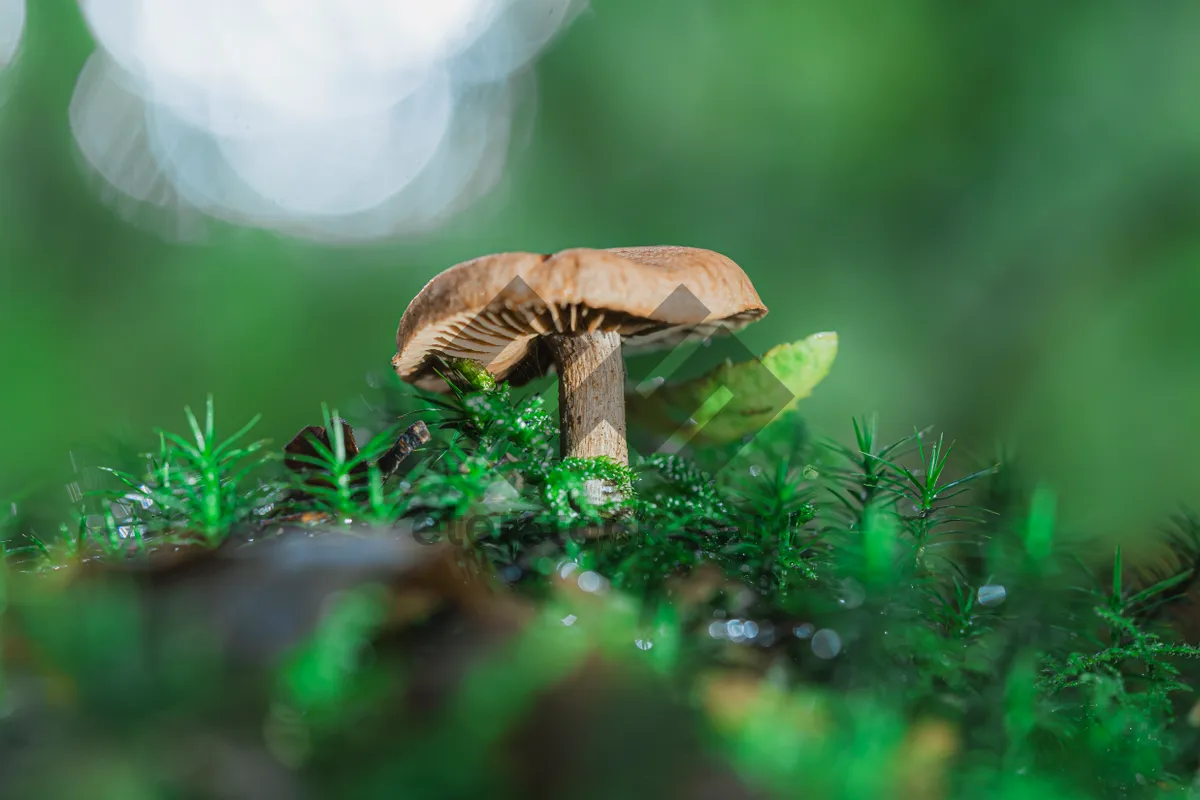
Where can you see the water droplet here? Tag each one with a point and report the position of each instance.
(565, 568)
(644, 644)
(826, 644)
(804, 631)
(991, 595)
(569, 619)
(853, 593)
(811, 473)
(735, 629)
(590, 581)
(754, 470)
(750, 629)
(716, 630)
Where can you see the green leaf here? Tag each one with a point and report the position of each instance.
(726, 403)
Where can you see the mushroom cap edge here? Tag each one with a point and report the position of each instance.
(494, 307)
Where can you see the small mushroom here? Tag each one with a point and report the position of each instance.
(521, 314)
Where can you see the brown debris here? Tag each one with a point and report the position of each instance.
(924, 759)
(299, 451)
(416, 435)
(301, 448)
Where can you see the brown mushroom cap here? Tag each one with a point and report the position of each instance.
(493, 309)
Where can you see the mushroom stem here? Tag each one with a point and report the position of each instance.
(591, 400)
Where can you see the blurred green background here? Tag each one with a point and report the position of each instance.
(995, 204)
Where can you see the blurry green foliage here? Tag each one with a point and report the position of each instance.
(843, 621)
(994, 204)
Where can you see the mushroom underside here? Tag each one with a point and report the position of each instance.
(504, 339)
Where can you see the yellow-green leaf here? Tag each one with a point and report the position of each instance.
(736, 400)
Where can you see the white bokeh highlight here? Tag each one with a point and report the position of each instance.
(12, 28)
(330, 119)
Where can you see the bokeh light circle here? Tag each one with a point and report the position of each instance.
(12, 28)
(331, 119)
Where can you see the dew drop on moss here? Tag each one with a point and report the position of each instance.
(852, 594)
(991, 595)
(590, 581)
(826, 644)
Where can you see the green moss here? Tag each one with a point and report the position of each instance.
(847, 597)
(474, 376)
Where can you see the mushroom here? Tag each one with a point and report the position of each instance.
(521, 314)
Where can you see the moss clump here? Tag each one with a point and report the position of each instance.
(843, 621)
